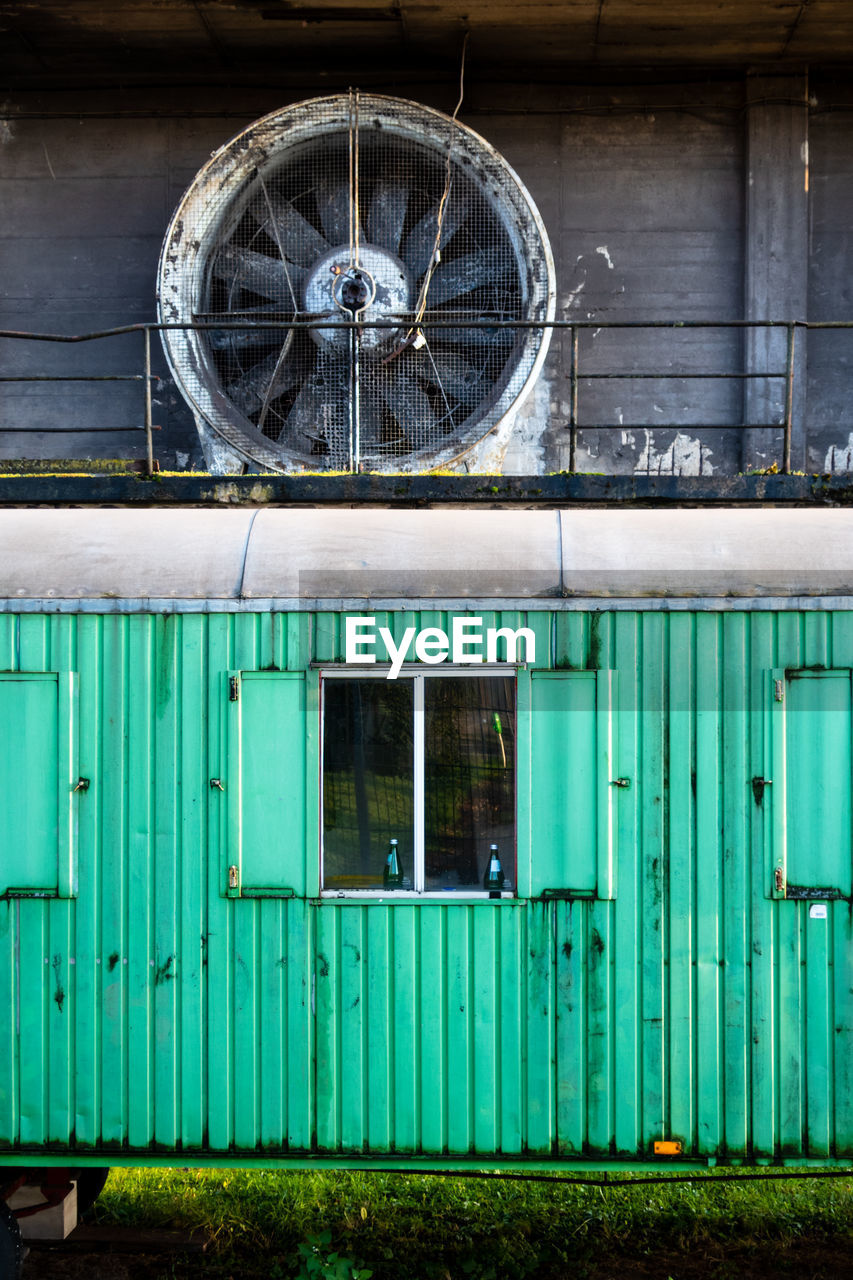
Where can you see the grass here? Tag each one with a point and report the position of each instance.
(412, 1227)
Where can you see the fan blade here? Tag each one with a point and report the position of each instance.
(247, 339)
(333, 209)
(386, 215)
(474, 339)
(249, 391)
(458, 380)
(411, 407)
(320, 412)
(420, 242)
(270, 277)
(298, 240)
(463, 275)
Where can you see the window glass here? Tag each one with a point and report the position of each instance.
(368, 797)
(469, 775)
(426, 761)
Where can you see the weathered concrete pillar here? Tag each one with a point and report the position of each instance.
(775, 260)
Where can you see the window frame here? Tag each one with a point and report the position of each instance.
(774, 808)
(418, 673)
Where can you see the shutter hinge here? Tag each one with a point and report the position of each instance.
(779, 693)
(234, 689)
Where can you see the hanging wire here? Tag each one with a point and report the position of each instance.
(611, 1182)
(350, 183)
(277, 237)
(355, 196)
(442, 204)
(353, 178)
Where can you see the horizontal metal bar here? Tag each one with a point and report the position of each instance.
(704, 1169)
(674, 426)
(72, 431)
(76, 377)
(657, 377)
(394, 322)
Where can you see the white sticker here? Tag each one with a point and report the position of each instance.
(817, 911)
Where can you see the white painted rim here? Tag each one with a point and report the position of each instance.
(197, 224)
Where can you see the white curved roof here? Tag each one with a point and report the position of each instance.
(120, 558)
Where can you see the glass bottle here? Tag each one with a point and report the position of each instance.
(494, 877)
(392, 877)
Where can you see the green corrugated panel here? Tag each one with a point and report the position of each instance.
(152, 1012)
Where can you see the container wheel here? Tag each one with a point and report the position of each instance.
(90, 1184)
(11, 1245)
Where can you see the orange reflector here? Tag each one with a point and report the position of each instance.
(668, 1148)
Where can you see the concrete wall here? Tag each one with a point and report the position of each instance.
(642, 189)
(830, 354)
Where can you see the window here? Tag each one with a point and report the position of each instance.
(426, 760)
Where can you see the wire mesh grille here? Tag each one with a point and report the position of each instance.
(361, 225)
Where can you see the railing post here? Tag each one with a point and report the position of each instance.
(573, 398)
(149, 443)
(789, 401)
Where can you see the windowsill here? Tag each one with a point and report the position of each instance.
(374, 897)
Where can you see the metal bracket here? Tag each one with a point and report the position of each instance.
(216, 785)
(82, 785)
(621, 782)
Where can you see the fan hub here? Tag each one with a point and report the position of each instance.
(379, 288)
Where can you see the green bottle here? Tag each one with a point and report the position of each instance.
(392, 877)
(494, 877)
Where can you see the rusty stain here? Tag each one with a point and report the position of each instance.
(113, 961)
(59, 993)
(163, 972)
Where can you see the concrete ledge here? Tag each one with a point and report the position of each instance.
(425, 490)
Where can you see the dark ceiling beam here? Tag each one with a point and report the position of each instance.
(27, 45)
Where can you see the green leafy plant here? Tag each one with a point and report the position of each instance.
(318, 1261)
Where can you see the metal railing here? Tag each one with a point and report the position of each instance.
(576, 375)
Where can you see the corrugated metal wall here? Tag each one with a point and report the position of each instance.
(153, 1013)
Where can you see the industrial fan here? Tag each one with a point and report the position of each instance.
(354, 283)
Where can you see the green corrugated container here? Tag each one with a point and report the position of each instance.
(673, 966)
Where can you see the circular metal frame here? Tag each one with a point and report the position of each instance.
(218, 199)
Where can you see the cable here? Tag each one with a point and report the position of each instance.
(442, 204)
(709, 1175)
(353, 178)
